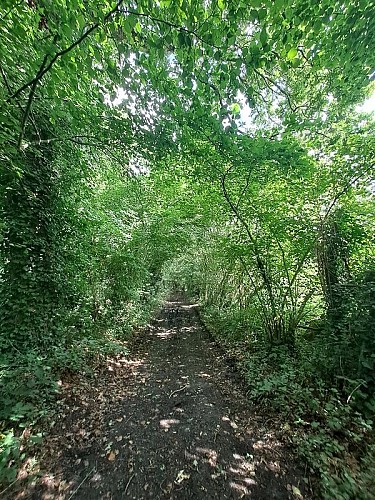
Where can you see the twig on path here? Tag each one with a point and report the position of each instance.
(163, 482)
(81, 483)
(128, 484)
(178, 390)
(9, 486)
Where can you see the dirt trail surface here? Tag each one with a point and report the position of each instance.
(169, 422)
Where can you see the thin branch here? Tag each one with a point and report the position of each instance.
(10, 485)
(81, 483)
(214, 88)
(32, 119)
(336, 198)
(347, 186)
(257, 290)
(43, 70)
(286, 269)
(234, 208)
(305, 58)
(11, 9)
(353, 391)
(74, 138)
(170, 24)
(28, 105)
(128, 484)
(17, 100)
(268, 81)
(242, 194)
(259, 261)
(178, 390)
(4, 77)
(301, 308)
(80, 141)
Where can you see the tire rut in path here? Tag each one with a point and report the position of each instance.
(171, 423)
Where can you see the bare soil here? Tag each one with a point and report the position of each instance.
(170, 421)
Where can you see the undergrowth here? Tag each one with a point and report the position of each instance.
(325, 420)
(31, 380)
(29, 384)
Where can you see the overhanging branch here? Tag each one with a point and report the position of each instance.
(44, 69)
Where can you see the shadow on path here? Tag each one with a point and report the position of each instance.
(168, 423)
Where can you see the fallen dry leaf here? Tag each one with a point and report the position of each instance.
(181, 476)
(297, 493)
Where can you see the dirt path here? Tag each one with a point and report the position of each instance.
(170, 423)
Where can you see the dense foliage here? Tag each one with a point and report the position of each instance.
(208, 146)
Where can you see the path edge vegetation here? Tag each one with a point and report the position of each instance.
(321, 451)
(214, 146)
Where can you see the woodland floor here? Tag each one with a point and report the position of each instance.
(170, 421)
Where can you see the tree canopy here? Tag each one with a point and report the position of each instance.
(211, 146)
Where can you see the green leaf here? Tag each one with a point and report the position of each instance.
(292, 53)
(263, 37)
(235, 108)
(296, 62)
(181, 39)
(138, 27)
(262, 14)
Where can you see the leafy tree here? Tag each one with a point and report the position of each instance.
(206, 145)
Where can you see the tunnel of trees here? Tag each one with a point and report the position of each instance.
(215, 147)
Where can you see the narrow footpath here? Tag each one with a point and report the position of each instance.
(170, 421)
